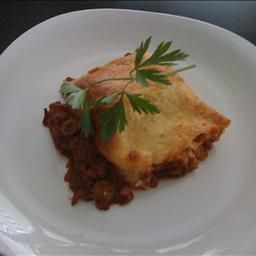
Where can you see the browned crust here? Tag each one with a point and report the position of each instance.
(189, 118)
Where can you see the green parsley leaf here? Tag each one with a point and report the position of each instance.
(140, 104)
(141, 51)
(76, 100)
(160, 57)
(142, 75)
(75, 96)
(177, 55)
(86, 121)
(104, 100)
(159, 52)
(112, 120)
(68, 87)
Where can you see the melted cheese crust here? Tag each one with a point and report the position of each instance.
(151, 140)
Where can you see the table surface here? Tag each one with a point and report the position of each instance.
(16, 17)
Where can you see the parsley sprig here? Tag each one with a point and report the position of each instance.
(113, 119)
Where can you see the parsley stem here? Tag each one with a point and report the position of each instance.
(131, 72)
(180, 70)
(111, 79)
(124, 88)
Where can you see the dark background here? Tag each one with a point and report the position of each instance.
(18, 16)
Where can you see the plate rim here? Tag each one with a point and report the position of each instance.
(109, 10)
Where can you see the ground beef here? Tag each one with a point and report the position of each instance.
(89, 175)
(92, 177)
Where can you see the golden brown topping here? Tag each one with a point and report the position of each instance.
(133, 156)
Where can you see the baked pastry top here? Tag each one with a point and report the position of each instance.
(184, 123)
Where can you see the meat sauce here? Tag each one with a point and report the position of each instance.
(89, 175)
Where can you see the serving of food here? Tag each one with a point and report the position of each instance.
(118, 140)
(129, 123)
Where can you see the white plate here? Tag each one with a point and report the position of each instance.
(209, 211)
